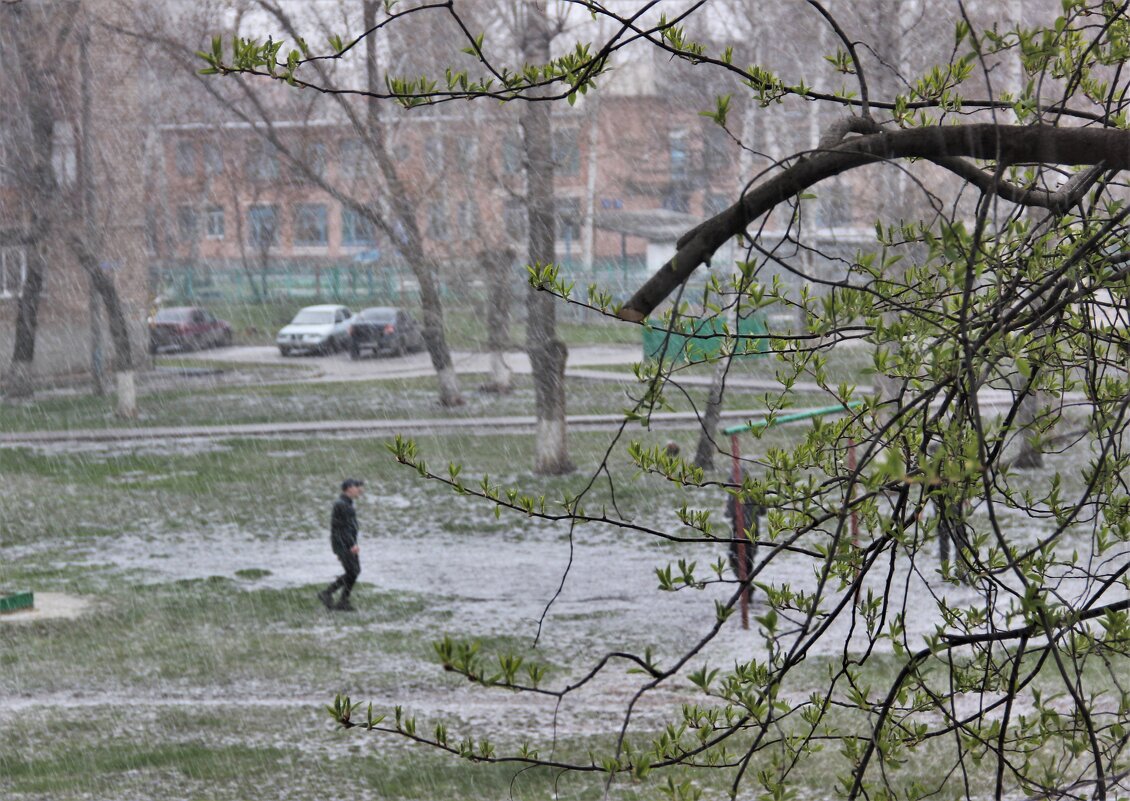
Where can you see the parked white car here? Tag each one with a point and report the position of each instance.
(316, 329)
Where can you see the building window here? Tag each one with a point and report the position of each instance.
(352, 158)
(213, 158)
(262, 161)
(13, 271)
(568, 219)
(433, 152)
(680, 157)
(832, 206)
(515, 218)
(262, 225)
(356, 229)
(677, 200)
(715, 203)
(186, 224)
(7, 158)
(317, 156)
(467, 149)
(437, 221)
(64, 159)
(185, 157)
(512, 155)
(718, 148)
(151, 228)
(214, 222)
(566, 152)
(310, 225)
(467, 219)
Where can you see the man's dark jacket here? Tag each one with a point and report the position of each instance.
(343, 525)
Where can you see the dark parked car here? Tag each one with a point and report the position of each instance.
(186, 328)
(384, 329)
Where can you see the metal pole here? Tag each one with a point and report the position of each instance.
(851, 497)
(739, 528)
(85, 160)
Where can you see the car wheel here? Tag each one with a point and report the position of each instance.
(284, 351)
(225, 340)
(354, 352)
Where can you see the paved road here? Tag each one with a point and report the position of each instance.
(339, 367)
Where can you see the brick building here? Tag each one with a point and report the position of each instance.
(228, 199)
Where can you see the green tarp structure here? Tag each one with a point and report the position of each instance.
(698, 340)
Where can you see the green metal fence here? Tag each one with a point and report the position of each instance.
(357, 284)
(342, 284)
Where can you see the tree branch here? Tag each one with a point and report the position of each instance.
(1005, 144)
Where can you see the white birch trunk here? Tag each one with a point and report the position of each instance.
(127, 394)
(449, 394)
(500, 373)
(551, 454)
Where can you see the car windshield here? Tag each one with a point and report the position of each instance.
(313, 317)
(378, 315)
(174, 315)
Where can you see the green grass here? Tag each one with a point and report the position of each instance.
(104, 767)
(404, 398)
(853, 365)
(263, 752)
(203, 634)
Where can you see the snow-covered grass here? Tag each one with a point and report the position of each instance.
(202, 666)
(201, 562)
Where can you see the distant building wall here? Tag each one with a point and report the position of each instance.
(63, 350)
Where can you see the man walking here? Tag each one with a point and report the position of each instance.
(343, 539)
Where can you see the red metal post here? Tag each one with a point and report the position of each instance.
(739, 527)
(851, 478)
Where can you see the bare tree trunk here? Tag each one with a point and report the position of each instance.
(97, 352)
(119, 329)
(495, 267)
(588, 226)
(547, 353)
(21, 376)
(425, 269)
(32, 166)
(1030, 456)
(436, 343)
(97, 370)
(86, 247)
(704, 452)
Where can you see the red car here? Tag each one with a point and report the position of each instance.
(187, 328)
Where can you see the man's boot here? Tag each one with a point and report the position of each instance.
(326, 596)
(343, 604)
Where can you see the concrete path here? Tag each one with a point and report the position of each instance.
(583, 363)
(519, 424)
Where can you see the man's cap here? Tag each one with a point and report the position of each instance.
(351, 482)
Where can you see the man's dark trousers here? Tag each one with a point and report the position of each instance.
(351, 563)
